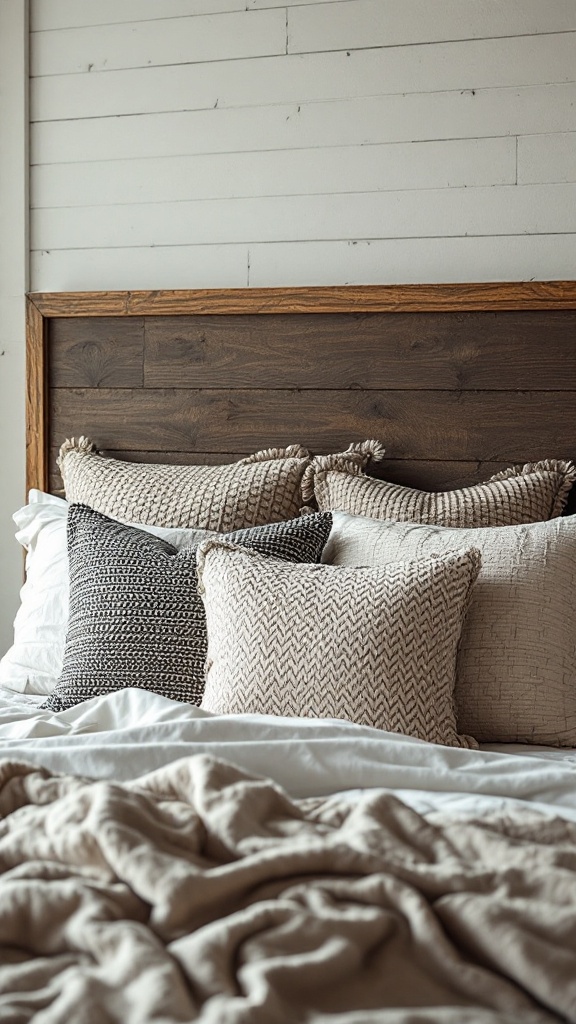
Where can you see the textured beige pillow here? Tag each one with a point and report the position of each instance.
(516, 678)
(263, 488)
(526, 494)
(376, 645)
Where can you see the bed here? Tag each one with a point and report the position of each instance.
(163, 861)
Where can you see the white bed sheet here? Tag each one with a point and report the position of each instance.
(134, 731)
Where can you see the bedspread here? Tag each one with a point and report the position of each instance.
(199, 892)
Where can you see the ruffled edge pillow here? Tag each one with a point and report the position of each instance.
(531, 493)
(262, 488)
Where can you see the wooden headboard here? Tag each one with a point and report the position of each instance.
(459, 381)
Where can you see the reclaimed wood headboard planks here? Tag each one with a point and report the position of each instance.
(458, 381)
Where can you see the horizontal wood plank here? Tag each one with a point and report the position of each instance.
(405, 166)
(354, 23)
(472, 426)
(147, 43)
(48, 15)
(485, 351)
(469, 64)
(204, 266)
(547, 157)
(396, 260)
(418, 213)
(466, 114)
(108, 352)
(399, 261)
(496, 295)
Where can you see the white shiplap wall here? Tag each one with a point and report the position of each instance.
(13, 284)
(198, 143)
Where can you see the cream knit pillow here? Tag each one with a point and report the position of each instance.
(525, 494)
(376, 646)
(516, 676)
(263, 488)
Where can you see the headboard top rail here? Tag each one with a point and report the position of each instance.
(334, 299)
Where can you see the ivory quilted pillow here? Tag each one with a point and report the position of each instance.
(516, 677)
(376, 646)
(523, 494)
(263, 488)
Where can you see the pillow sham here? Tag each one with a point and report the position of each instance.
(135, 615)
(522, 494)
(376, 646)
(263, 488)
(33, 663)
(516, 675)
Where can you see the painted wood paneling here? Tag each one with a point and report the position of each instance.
(397, 261)
(412, 260)
(355, 23)
(471, 64)
(505, 210)
(13, 285)
(46, 15)
(402, 142)
(547, 158)
(259, 4)
(188, 266)
(171, 41)
(360, 122)
(303, 171)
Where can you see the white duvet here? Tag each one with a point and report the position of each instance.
(128, 733)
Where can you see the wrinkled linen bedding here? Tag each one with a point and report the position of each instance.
(199, 892)
(133, 731)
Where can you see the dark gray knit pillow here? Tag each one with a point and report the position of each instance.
(136, 618)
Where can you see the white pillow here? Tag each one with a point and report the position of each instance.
(34, 662)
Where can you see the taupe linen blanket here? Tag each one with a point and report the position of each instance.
(200, 893)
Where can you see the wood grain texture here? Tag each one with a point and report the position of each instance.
(447, 425)
(458, 381)
(338, 299)
(480, 350)
(36, 399)
(108, 352)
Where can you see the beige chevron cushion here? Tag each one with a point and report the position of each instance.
(263, 488)
(516, 678)
(523, 494)
(376, 646)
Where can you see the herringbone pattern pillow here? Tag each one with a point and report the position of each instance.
(376, 646)
(522, 494)
(263, 488)
(136, 618)
(516, 677)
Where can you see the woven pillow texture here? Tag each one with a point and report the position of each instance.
(376, 646)
(523, 494)
(263, 488)
(516, 676)
(135, 616)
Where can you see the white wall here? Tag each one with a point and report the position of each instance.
(191, 143)
(13, 284)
